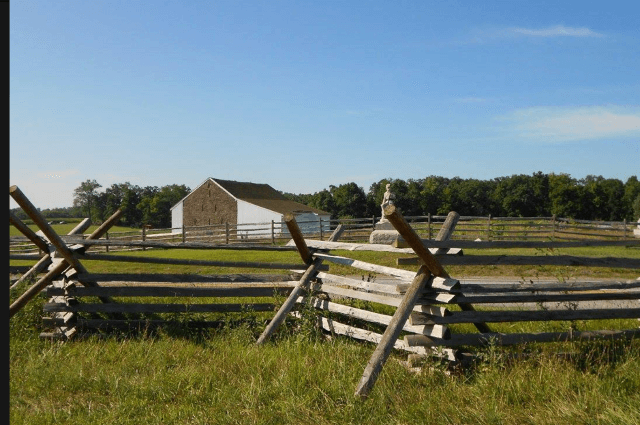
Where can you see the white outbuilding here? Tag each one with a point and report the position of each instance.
(245, 205)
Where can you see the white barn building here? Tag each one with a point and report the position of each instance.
(244, 205)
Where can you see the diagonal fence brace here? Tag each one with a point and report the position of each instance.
(58, 269)
(431, 268)
(414, 241)
(306, 278)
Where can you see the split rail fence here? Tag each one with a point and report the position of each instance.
(358, 230)
(425, 312)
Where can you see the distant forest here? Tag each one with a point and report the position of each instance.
(536, 195)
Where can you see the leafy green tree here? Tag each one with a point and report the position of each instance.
(374, 197)
(145, 206)
(350, 200)
(407, 196)
(161, 203)
(113, 197)
(84, 196)
(131, 197)
(323, 200)
(467, 197)
(299, 197)
(604, 198)
(413, 205)
(631, 197)
(522, 195)
(432, 194)
(566, 197)
(635, 206)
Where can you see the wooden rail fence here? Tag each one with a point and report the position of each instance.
(358, 230)
(424, 308)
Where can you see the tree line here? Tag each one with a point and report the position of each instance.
(518, 195)
(150, 205)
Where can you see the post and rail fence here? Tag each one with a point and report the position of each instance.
(429, 305)
(357, 230)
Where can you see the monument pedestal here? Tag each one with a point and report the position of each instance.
(384, 233)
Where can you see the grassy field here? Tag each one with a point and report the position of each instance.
(181, 376)
(70, 223)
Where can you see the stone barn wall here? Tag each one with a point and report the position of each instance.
(208, 205)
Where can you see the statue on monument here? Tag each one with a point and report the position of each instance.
(387, 199)
(384, 232)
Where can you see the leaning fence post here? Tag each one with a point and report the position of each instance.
(45, 261)
(306, 278)
(59, 268)
(390, 336)
(414, 241)
(30, 234)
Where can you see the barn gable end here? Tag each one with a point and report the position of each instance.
(209, 204)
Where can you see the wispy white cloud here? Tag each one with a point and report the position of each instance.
(555, 31)
(562, 124)
(491, 34)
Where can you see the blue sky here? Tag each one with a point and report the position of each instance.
(307, 94)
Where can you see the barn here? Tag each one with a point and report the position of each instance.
(218, 201)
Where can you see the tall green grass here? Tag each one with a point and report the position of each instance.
(219, 376)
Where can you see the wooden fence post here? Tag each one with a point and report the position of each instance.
(624, 236)
(320, 223)
(184, 234)
(55, 271)
(30, 234)
(144, 236)
(431, 267)
(45, 261)
(273, 233)
(429, 226)
(226, 232)
(48, 231)
(106, 235)
(414, 241)
(391, 333)
(489, 228)
(553, 227)
(308, 275)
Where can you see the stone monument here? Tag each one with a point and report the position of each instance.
(384, 232)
